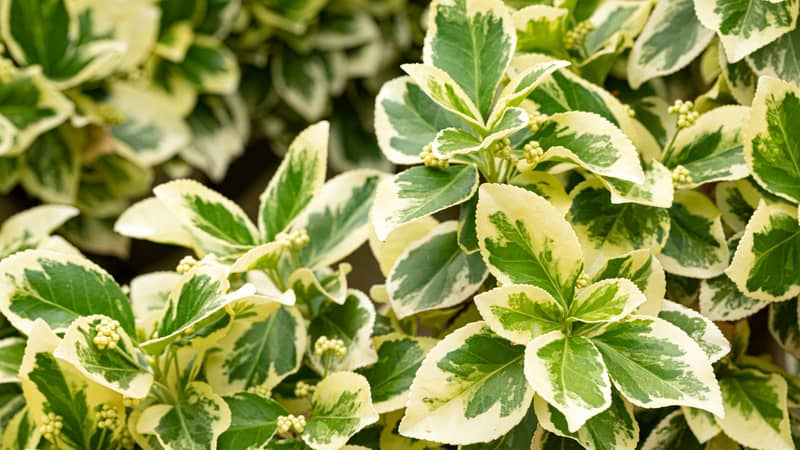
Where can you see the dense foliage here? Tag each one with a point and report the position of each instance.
(591, 214)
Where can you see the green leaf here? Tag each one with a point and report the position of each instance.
(122, 368)
(644, 270)
(470, 388)
(568, 372)
(297, 180)
(591, 142)
(606, 301)
(399, 359)
(613, 428)
(30, 228)
(340, 407)
(264, 345)
(406, 120)
(337, 220)
(657, 52)
(524, 240)
(467, 232)
(421, 191)
(699, 328)
(352, 322)
(696, 245)
(783, 325)
(747, 25)
(768, 246)
(433, 273)
(608, 230)
(11, 351)
(254, 421)
(712, 148)
(195, 422)
(672, 433)
(520, 313)
(210, 66)
(208, 215)
(771, 147)
(755, 409)
(29, 106)
(51, 166)
(58, 288)
(54, 386)
(70, 51)
(473, 41)
(654, 363)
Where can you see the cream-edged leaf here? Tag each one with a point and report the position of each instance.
(702, 423)
(470, 388)
(672, 432)
(643, 269)
(29, 228)
(608, 300)
(783, 325)
(736, 200)
(569, 373)
(389, 250)
(340, 407)
(443, 89)
(351, 322)
(254, 421)
(11, 351)
(545, 185)
(150, 219)
(519, 312)
(525, 240)
(434, 273)
(699, 328)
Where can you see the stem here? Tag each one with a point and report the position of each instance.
(670, 146)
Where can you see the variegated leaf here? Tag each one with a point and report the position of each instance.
(744, 26)
(521, 436)
(399, 358)
(699, 328)
(31, 227)
(210, 66)
(473, 381)
(778, 59)
(309, 286)
(301, 82)
(340, 407)
(54, 386)
(605, 301)
(149, 293)
(433, 273)
(608, 230)
(451, 142)
(51, 165)
(121, 368)
(208, 215)
(521, 85)
(696, 244)
(755, 410)
(297, 180)
(11, 351)
(406, 120)
(519, 312)
(473, 41)
(421, 191)
(672, 433)
(569, 373)
(657, 52)
(644, 270)
(541, 29)
(352, 322)
(656, 190)
(388, 251)
(30, 107)
(654, 363)
(736, 201)
(765, 250)
(712, 148)
(721, 300)
(265, 344)
(739, 78)
(784, 325)
(524, 240)
(58, 288)
(702, 423)
(150, 219)
(254, 421)
(443, 89)
(545, 185)
(195, 422)
(770, 140)
(337, 220)
(614, 428)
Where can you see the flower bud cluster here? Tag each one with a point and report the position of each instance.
(107, 417)
(533, 154)
(687, 116)
(126, 441)
(335, 347)
(430, 160)
(501, 148)
(261, 390)
(582, 281)
(107, 334)
(293, 240)
(186, 264)
(575, 37)
(681, 175)
(289, 423)
(110, 114)
(303, 389)
(535, 121)
(51, 426)
(7, 70)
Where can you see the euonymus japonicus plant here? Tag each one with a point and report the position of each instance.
(253, 346)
